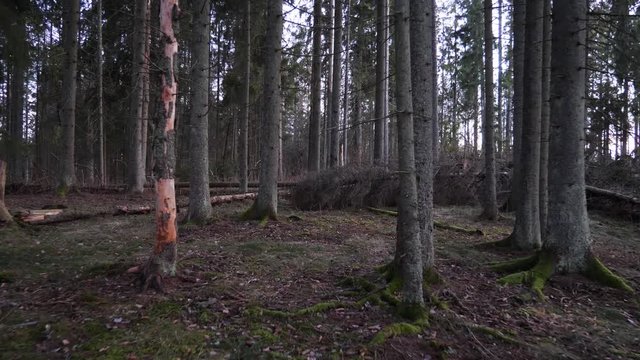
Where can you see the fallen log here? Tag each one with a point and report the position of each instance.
(221, 199)
(132, 210)
(592, 190)
(436, 224)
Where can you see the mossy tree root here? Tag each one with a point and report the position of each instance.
(253, 213)
(398, 329)
(599, 273)
(504, 243)
(314, 309)
(535, 270)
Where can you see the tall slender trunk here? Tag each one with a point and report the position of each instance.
(163, 259)
(345, 99)
(102, 167)
(243, 153)
(5, 216)
(199, 198)
(313, 162)
(422, 33)
(266, 204)
(381, 59)
(526, 233)
(330, 86)
(519, 19)
(408, 257)
(135, 164)
(335, 95)
(16, 161)
(435, 125)
(545, 115)
(70, 43)
(490, 204)
(499, 137)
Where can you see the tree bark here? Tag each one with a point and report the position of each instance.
(519, 20)
(568, 223)
(422, 77)
(102, 168)
(70, 43)
(544, 123)
(266, 204)
(526, 234)
(490, 203)
(345, 99)
(135, 160)
(313, 163)
(380, 98)
(408, 246)
(199, 201)
(335, 95)
(162, 261)
(4, 214)
(243, 153)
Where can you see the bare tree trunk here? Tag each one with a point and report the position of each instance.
(435, 142)
(490, 203)
(69, 85)
(519, 19)
(102, 168)
(135, 164)
(526, 233)
(243, 154)
(381, 59)
(162, 261)
(313, 163)
(408, 257)
(345, 99)
(499, 138)
(330, 86)
(4, 214)
(422, 77)
(544, 124)
(335, 95)
(199, 197)
(146, 79)
(266, 204)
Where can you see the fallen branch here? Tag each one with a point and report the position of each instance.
(221, 199)
(436, 224)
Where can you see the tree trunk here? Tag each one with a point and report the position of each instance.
(135, 164)
(313, 163)
(266, 204)
(4, 214)
(526, 233)
(330, 86)
(490, 203)
(544, 124)
(16, 161)
(345, 99)
(243, 153)
(102, 168)
(408, 246)
(162, 261)
(422, 33)
(199, 202)
(381, 59)
(435, 127)
(70, 68)
(519, 19)
(335, 95)
(499, 138)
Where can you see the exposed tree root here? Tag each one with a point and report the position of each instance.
(535, 270)
(599, 273)
(397, 329)
(504, 243)
(257, 311)
(262, 216)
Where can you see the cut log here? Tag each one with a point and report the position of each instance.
(436, 224)
(220, 199)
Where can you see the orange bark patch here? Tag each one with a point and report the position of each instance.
(167, 231)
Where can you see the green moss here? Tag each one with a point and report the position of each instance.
(7, 276)
(257, 311)
(536, 277)
(358, 283)
(442, 305)
(496, 334)
(598, 272)
(394, 330)
(265, 334)
(413, 311)
(520, 264)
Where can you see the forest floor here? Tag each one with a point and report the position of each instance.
(65, 292)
